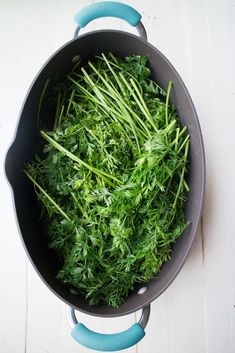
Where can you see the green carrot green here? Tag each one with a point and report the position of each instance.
(111, 179)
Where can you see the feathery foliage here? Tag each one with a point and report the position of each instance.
(111, 178)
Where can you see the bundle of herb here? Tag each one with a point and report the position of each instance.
(111, 180)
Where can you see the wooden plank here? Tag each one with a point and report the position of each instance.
(211, 59)
(13, 295)
(217, 57)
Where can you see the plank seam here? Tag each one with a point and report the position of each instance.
(203, 242)
(26, 307)
(136, 346)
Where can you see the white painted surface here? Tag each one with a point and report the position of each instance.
(196, 313)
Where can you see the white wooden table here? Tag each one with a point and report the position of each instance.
(197, 312)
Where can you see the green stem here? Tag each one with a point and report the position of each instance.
(97, 91)
(182, 175)
(41, 100)
(120, 68)
(167, 101)
(60, 116)
(123, 114)
(57, 111)
(48, 197)
(103, 106)
(79, 206)
(113, 58)
(179, 135)
(144, 106)
(93, 85)
(177, 138)
(187, 188)
(176, 166)
(117, 96)
(138, 101)
(113, 73)
(70, 101)
(182, 145)
(80, 161)
(168, 130)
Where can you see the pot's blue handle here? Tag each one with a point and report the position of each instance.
(108, 342)
(107, 8)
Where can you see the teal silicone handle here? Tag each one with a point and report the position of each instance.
(107, 342)
(107, 8)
